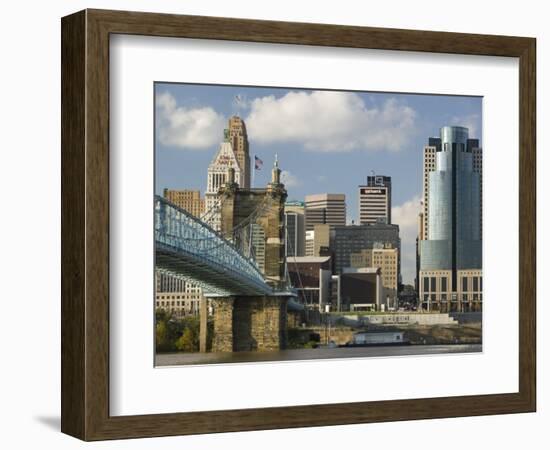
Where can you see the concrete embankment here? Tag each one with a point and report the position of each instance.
(417, 334)
(420, 329)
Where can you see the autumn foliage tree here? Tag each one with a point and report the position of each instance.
(177, 334)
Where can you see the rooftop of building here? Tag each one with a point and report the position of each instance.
(321, 197)
(356, 226)
(350, 270)
(308, 259)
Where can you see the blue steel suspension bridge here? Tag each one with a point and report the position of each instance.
(188, 248)
(249, 308)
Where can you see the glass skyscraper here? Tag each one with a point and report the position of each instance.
(453, 240)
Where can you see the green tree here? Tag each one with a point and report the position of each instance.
(161, 335)
(179, 333)
(186, 342)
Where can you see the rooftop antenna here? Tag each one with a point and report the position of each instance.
(276, 172)
(238, 101)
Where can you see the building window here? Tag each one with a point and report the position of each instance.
(443, 284)
(426, 284)
(464, 284)
(432, 283)
(475, 280)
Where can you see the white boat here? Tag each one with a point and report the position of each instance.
(369, 338)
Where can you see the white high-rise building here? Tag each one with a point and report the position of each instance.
(375, 200)
(217, 177)
(430, 151)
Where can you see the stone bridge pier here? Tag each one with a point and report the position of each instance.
(245, 323)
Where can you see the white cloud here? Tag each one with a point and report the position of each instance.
(470, 121)
(406, 216)
(187, 128)
(330, 121)
(289, 180)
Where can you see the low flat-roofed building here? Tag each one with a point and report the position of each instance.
(176, 296)
(311, 275)
(358, 290)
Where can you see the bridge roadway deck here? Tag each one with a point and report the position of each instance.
(214, 278)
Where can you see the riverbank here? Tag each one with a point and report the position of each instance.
(467, 334)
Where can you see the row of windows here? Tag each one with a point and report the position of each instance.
(168, 297)
(193, 305)
(443, 298)
(429, 284)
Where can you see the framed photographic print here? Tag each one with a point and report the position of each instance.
(270, 224)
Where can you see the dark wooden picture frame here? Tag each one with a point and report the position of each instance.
(85, 224)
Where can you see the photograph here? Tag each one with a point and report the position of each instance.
(301, 224)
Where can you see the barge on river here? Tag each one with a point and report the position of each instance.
(373, 338)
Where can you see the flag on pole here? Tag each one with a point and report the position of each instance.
(258, 163)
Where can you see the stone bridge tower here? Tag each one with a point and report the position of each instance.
(265, 208)
(245, 323)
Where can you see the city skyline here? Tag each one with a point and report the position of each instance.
(384, 133)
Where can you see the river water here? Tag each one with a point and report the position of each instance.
(179, 359)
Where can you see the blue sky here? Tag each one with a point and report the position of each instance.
(326, 141)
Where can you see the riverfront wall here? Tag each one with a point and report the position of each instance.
(393, 319)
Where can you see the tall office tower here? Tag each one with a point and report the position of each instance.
(325, 209)
(295, 227)
(419, 237)
(217, 176)
(451, 250)
(430, 151)
(375, 200)
(478, 168)
(186, 199)
(239, 140)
